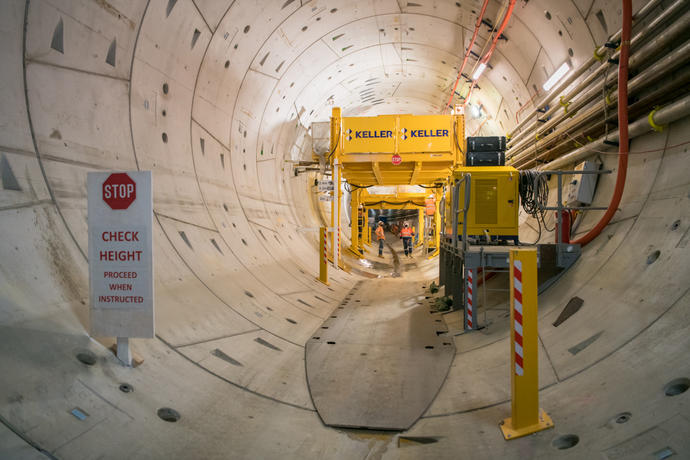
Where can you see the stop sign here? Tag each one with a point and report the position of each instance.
(119, 191)
(396, 160)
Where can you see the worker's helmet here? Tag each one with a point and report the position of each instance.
(406, 224)
(380, 223)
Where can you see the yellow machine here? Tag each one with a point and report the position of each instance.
(493, 209)
(397, 149)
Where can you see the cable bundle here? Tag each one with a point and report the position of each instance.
(534, 191)
(534, 195)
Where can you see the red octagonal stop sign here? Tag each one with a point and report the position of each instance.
(396, 159)
(119, 191)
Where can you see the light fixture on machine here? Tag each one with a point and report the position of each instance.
(556, 77)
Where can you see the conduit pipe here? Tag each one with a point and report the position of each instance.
(623, 137)
(646, 78)
(565, 145)
(490, 52)
(467, 53)
(641, 14)
(672, 112)
(648, 50)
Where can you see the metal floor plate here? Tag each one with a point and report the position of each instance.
(379, 363)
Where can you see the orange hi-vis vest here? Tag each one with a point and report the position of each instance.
(379, 233)
(406, 232)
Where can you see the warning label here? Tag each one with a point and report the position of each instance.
(120, 276)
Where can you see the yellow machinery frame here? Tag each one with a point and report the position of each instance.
(428, 147)
(361, 198)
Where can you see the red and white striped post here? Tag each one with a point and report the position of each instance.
(323, 260)
(526, 417)
(470, 311)
(517, 317)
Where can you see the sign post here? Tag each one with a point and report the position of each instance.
(121, 257)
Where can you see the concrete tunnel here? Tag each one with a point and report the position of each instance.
(216, 98)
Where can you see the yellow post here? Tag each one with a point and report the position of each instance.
(354, 226)
(323, 255)
(420, 235)
(526, 416)
(437, 224)
(366, 233)
(335, 146)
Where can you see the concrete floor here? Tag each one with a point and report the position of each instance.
(232, 318)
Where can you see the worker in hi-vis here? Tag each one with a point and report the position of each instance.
(406, 234)
(380, 237)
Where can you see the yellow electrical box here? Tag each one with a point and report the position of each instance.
(493, 200)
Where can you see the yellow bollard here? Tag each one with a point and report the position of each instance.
(323, 255)
(526, 416)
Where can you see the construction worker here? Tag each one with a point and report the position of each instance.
(406, 234)
(380, 237)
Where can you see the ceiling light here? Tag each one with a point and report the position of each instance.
(475, 110)
(479, 71)
(553, 79)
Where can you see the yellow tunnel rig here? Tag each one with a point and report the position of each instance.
(392, 150)
(427, 227)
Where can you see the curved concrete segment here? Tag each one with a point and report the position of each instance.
(216, 98)
(380, 359)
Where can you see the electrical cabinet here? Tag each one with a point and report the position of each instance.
(582, 186)
(493, 202)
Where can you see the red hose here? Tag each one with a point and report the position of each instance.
(623, 138)
(497, 35)
(503, 25)
(467, 54)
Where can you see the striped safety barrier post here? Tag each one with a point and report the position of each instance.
(517, 317)
(323, 247)
(526, 416)
(470, 315)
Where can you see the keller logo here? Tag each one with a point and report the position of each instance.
(405, 134)
(349, 134)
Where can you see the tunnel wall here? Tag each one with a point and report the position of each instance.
(232, 272)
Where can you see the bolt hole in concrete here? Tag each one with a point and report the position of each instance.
(566, 441)
(623, 417)
(126, 388)
(429, 347)
(653, 256)
(87, 358)
(675, 225)
(677, 386)
(168, 414)
(165, 88)
(316, 338)
(330, 343)
(165, 138)
(227, 64)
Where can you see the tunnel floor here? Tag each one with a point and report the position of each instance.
(380, 359)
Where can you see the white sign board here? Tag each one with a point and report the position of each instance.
(121, 254)
(325, 185)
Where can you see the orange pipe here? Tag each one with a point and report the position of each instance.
(623, 139)
(498, 33)
(504, 23)
(467, 53)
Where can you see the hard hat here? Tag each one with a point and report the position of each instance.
(406, 224)
(380, 222)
